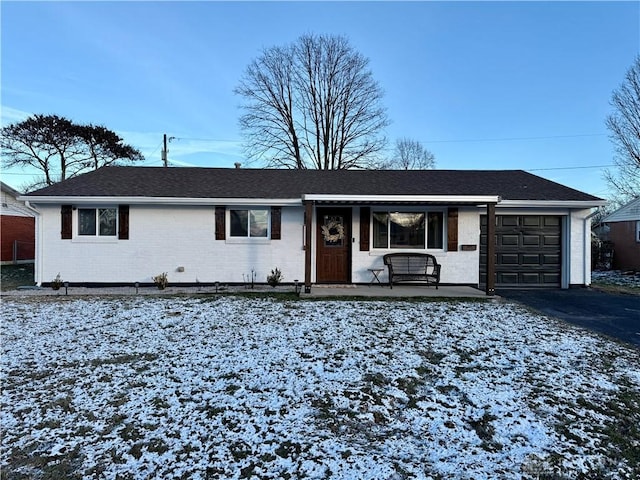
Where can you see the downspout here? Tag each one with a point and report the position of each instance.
(37, 267)
(587, 245)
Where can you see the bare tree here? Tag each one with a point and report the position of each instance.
(61, 149)
(624, 127)
(409, 154)
(312, 104)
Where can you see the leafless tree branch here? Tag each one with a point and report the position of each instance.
(312, 104)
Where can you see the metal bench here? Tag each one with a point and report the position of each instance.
(408, 267)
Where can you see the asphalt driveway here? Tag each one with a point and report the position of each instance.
(616, 315)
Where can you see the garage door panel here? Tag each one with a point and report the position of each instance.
(508, 221)
(509, 240)
(530, 259)
(549, 259)
(531, 221)
(531, 240)
(551, 240)
(531, 278)
(507, 278)
(508, 259)
(551, 278)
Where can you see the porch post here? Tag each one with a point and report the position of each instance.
(491, 248)
(308, 215)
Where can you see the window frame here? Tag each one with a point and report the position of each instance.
(96, 236)
(406, 209)
(248, 238)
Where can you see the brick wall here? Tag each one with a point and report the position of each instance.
(14, 228)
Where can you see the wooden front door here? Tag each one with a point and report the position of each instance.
(333, 252)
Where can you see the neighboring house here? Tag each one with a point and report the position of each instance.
(17, 228)
(624, 234)
(120, 225)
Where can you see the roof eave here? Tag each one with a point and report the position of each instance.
(439, 199)
(111, 200)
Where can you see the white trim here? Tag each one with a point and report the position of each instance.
(586, 237)
(552, 203)
(275, 202)
(38, 260)
(477, 199)
(247, 238)
(401, 198)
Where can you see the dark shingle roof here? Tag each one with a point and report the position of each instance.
(289, 184)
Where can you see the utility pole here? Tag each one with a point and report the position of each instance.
(165, 162)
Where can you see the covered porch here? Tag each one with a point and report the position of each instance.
(331, 265)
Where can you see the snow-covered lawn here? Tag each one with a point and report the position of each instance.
(234, 387)
(617, 278)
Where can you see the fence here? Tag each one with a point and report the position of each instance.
(22, 252)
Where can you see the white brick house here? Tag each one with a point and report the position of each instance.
(121, 225)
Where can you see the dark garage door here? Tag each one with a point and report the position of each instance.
(528, 250)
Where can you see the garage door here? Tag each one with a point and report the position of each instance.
(528, 250)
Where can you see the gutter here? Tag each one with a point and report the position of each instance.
(129, 200)
(37, 267)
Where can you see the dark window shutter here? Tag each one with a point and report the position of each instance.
(66, 213)
(276, 221)
(452, 230)
(365, 218)
(123, 222)
(220, 223)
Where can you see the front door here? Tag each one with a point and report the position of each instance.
(333, 253)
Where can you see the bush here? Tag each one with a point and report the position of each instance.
(275, 278)
(56, 283)
(161, 281)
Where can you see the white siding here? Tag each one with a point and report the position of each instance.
(12, 206)
(164, 238)
(579, 242)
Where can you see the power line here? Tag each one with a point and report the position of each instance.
(508, 139)
(207, 139)
(568, 168)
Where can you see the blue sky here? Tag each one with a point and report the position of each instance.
(483, 85)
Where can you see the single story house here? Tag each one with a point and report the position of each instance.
(624, 234)
(487, 228)
(17, 228)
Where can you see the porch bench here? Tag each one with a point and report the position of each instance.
(406, 267)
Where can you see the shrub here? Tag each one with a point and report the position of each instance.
(275, 278)
(56, 283)
(161, 281)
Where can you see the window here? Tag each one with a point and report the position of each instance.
(638, 231)
(252, 223)
(408, 230)
(101, 222)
